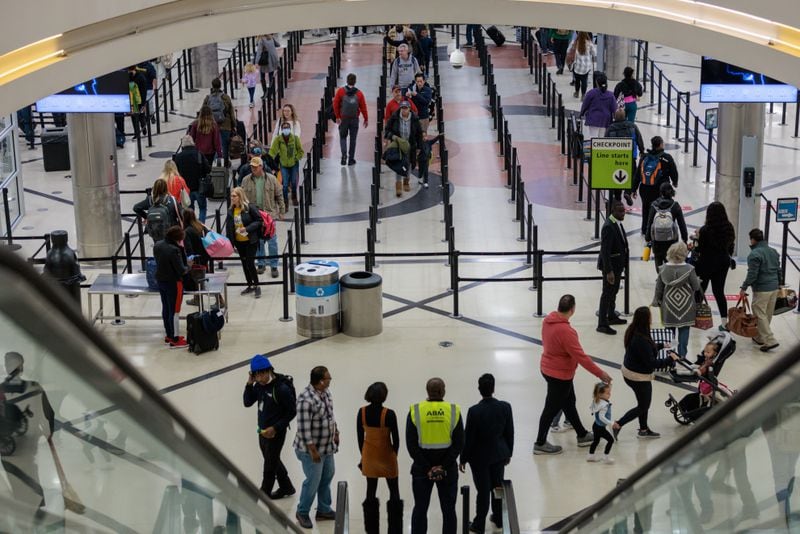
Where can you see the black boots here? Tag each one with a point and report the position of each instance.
(372, 514)
(395, 516)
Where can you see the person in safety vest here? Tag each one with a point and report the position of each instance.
(434, 438)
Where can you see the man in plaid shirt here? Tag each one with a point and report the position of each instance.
(316, 442)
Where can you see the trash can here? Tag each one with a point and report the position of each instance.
(317, 298)
(362, 304)
(55, 149)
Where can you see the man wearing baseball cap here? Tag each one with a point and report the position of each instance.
(263, 189)
(404, 129)
(394, 104)
(276, 400)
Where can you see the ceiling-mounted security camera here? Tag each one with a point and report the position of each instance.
(457, 59)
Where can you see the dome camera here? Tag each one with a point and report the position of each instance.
(457, 59)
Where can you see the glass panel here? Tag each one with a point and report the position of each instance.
(5, 121)
(737, 476)
(7, 162)
(13, 203)
(85, 447)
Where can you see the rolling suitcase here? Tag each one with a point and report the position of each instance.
(199, 339)
(219, 179)
(495, 35)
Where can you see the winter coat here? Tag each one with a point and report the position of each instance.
(676, 286)
(288, 152)
(763, 268)
(598, 108)
(561, 350)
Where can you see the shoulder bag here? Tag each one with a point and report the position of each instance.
(740, 319)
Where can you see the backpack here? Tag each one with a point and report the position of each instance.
(217, 106)
(236, 148)
(213, 320)
(349, 107)
(285, 379)
(651, 170)
(664, 228)
(159, 218)
(267, 224)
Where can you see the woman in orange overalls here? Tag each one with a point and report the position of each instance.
(379, 441)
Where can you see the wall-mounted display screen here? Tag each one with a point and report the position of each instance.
(723, 82)
(104, 94)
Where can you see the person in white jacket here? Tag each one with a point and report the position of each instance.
(601, 411)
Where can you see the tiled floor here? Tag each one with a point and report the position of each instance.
(497, 331)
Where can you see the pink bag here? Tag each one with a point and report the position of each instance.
(217, 245)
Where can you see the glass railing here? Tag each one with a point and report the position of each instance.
(88, 445)
(734, 471)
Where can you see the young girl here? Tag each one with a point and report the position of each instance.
(705, 389)
(601, 410)
(250, 80)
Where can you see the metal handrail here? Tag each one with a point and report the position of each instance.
(342, 525)
(510, 517)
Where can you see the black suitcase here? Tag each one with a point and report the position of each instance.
(495, 35)
(219, 179)
(199, 339)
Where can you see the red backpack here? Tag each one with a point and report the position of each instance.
(268, 224)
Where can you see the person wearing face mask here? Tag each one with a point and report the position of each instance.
(404, 130)
(287, 151)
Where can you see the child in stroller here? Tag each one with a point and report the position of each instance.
(706, 371)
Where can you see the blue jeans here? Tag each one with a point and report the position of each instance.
(472, 29)
(289, 177)
(252, 92)
(317, 483)
(202, 203)
(683, 340)
(225, 137)
(272, 246)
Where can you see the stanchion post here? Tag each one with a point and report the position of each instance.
(140, 229)
(465, 509)
(128, 260)
(695, 140)
(285, 289)
(290, 244)
(117, 321)
(454, 284)
(708, 158)
(529, 232)
(7, 215)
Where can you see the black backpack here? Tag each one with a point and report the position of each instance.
(349, 107)
(158, 220)
(284, 379)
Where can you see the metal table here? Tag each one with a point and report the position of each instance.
(136, 284)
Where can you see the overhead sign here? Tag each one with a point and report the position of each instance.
(786, 210)
(611, 164)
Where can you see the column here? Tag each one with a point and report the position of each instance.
(95, 183)
(616, 54)
(740, 146)
(205, 64)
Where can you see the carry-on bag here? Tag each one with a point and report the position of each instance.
(496, 35)
(740, 319)
(199, 339)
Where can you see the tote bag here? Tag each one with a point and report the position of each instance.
(217, 245)
(702, 318)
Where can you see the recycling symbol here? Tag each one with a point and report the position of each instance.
(621, 176)
(320, 292)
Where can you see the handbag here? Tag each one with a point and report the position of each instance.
(786, 301)
(206, 186)
(217, 245)
(740, 319)
(702, 318)
(186, 201)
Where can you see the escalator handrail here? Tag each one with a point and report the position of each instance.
(715, 416)
(342, 525)
(47, 291)
(510, 516)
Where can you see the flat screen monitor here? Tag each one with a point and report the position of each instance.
(104, 94)
(723, 82)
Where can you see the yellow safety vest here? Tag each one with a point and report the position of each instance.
(435, 422)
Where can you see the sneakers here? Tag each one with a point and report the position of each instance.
(420, 181)
(257, 293)
(617, 320)
(767, 348)
(757, 341)
(326, 516)
(252, 105)
(167, 340)
(303, 520)
(425, 185)
(261, 269)
(586, 440)
(274, 272)
(591, 457)
(247, 290)
(647, 434)
(606, 459)
(565, 427)
(178, 343)
(546, 448)
(606, 330)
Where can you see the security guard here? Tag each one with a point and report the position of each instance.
(434, 438)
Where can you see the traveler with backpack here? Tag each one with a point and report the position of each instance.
(276, 398)
(206, 134)
(630, 91)
(171, 266)
(222, 111)
(655, 168)
(598, 109)
(421, 94)
(288, 114)
(404, 68)
(348, 103)
(622, 127)
(676, 288)
(243, 228)
(265, 192)
(287, 150)
(193, 167)
(268, 62)
(665, 224)
(159, 210)
(396, 36)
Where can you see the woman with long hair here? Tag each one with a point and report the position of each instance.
(378, 441)
(175, 183)
(243, 228)
(288, 115)
(631, 90)
(715, 240)
(193, 244)
(583, 64)
(159, 194)
(641, 361)
(206, 135)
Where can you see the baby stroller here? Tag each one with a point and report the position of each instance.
(710, 390)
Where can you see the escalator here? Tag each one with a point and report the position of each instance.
(734, 471)
(88, 445)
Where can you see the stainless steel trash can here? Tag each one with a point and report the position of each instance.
(362, 304)
(317, 298)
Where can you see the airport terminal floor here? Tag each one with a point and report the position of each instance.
(497, 330)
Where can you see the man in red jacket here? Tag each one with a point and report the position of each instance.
(561, 354)
(394, 104)
(347, 104)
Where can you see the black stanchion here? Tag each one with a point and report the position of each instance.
(285, 289)
(464, 508)
(695, 140)
(708, 158)
(117, 321)
(290, 244)
(140, 229)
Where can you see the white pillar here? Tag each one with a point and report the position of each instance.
(205, 64)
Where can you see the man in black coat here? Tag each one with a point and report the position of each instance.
(613, 258)
(193, 167)
(621, 127)
(488, 446)
(404, 124)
